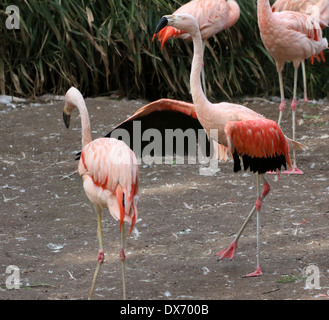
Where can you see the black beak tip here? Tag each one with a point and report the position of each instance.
(161, 24)
(66, 119)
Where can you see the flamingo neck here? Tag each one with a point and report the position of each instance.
(234, 13)
(264, 10)
(85, 122)
(199, 99)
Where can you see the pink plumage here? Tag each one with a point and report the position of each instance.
(314, 8)
(258, 138)
(110, 172)
(288, 35)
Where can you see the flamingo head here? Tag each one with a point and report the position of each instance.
(183, 22)
(67, 113)
(72, 97)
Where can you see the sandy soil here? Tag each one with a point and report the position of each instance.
(48, 227)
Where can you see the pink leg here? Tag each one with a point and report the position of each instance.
(122, 255)
(283, 101)
(229, 252)
(258, 205)
(258, 271)
(100, 258)
(281, 107)
(123, 259)
(294, 169)
(304, 81)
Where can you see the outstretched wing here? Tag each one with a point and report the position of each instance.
(161, 115)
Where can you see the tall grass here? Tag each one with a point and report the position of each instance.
(105, 46)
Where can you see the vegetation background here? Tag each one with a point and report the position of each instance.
(104, 47)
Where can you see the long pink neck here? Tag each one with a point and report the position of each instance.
(199, 99)
(264, 11)
(234, 13)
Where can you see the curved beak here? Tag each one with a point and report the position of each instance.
(161, 24)
(66, 119)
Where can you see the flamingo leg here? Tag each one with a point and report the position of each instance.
(304, 81)
(283, 101)
(123, 258)
(258, 271)
(294, 169)
(229, 252)
(100, 258)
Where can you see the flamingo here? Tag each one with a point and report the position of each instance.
(212, 16)
(315, 8)
(289, 36)
(249, 136)
(110, 177)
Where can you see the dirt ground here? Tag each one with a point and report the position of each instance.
(48, 227)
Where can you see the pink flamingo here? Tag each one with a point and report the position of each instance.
(110, 177)
(289, 36)
(316, 8)
(249, 136)
(212, 16)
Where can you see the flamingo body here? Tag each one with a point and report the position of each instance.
(287, 37)
(315, 8)
(110, 173)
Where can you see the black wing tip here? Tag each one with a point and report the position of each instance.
(260, 165)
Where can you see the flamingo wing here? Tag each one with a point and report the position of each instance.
(316, 8)
(302, 23)
(162, 115)
(260, 143)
